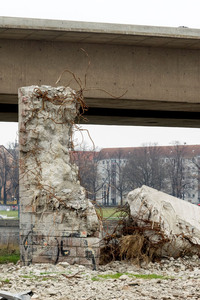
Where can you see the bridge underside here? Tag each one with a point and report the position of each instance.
(111, 112)
(157, 70)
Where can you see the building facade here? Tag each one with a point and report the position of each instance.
(172, 169)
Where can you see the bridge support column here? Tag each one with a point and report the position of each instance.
(57, 221)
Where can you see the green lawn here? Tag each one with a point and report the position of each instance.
(9, 255)
(13, 214)
(108, 212)
(9, 258)
(105, 212)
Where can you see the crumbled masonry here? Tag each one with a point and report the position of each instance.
(171, 224)
(57, 221)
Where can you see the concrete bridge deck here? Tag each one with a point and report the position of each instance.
(157, 67)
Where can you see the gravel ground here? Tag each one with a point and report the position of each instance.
(176, 279)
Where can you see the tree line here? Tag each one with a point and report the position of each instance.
(9, 174)
(171, 169)
(107, 175)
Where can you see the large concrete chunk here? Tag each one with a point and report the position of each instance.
(57, 221)
(21, 296)
(172, 223)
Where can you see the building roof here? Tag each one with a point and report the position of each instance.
(123, 152)
(82, 155)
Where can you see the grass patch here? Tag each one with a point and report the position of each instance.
(48, 273)
(44, 276)
(55, 273)
(118, 275)
(9, 256)
(108, 212)
(95, 279)
(108, 276)
(12, 213)
(35, 277)
(27, 276)
(5, 280)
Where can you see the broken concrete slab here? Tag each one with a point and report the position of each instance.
(170, 223)
(57, 221)
(4, 295)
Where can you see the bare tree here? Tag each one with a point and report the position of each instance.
(196, 162)
(13, 148)
(6, 160)
(112, 170)
(105, 182)
(119, 182)
(87, 162)
(112, 173)
(178, 180)
(145, 167)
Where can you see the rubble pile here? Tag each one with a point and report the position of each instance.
(167, 279)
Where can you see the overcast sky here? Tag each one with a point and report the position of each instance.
(171, 13)
(138, 12)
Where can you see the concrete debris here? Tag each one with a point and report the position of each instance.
(172, 223)
(166, 279)
(4, 295)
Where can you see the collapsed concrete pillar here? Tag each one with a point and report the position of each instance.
(171, 225)
(57, 221)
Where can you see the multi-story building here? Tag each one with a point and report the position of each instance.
(172, 169)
